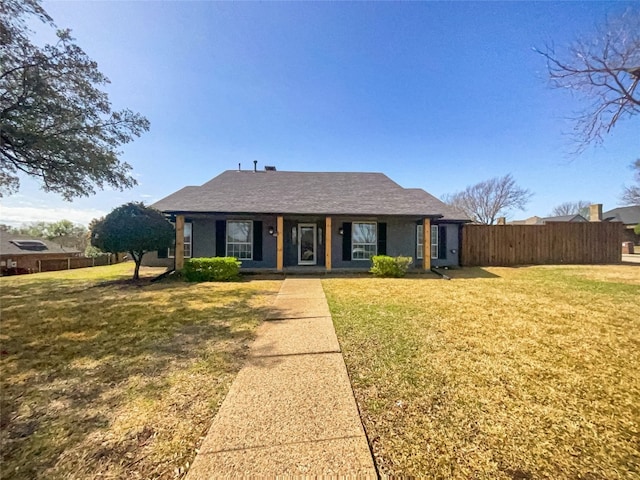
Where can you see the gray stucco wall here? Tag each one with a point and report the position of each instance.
(401, 240)
(453, 248)
(203, 241)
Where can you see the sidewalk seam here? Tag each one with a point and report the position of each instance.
(328, 352)
(256, 447)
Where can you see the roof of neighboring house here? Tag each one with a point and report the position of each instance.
(529, 221)
(11, 244)
(627, 215)
(542, 220)
(565, 218)
(335, 193)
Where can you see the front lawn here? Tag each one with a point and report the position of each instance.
(512, 373)
(105, 378)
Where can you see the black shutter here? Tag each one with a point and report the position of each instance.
(382, 238)
(257, 241)
(442, 242)
(346, 241)
(162, 253)
(221, 238)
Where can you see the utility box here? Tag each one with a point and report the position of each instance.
(627, 248)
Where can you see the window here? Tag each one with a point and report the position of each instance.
(187, 242)
(434, 241)
(364, 243)
(240, 239)
(419, 241)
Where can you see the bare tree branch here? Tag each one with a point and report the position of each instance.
(581, 207)
(604, 69)
(484, 202)
(631, 195)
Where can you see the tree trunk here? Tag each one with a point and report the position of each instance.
(137, 257)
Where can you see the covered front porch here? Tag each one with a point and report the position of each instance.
(313, 243)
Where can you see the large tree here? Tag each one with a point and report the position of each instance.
(602, 68)
(581, 207)
(56, 124)
(133, 228)
(631, 195)
(484, 202)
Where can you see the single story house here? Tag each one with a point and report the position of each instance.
(285, 221)
(21, 254)
(629, 217)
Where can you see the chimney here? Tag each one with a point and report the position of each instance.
(255, 165)
(595, 212)
(502, 220)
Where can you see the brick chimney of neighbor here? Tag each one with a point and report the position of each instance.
(595, 212)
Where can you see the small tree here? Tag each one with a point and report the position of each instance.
(484, 202)
(134, 228)
(581, 207)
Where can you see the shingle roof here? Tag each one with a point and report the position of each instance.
(334, 193)
(11, 244)
(565, 218)
(627, 215)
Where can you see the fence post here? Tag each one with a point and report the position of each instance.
(39, 266)
(68, 263)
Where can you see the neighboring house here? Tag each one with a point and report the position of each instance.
(629, 216)
(544, 220)
(283, 220)
(20, 254)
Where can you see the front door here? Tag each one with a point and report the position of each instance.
(307, 244)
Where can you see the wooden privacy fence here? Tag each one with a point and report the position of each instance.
(50, 265)
(552, 243)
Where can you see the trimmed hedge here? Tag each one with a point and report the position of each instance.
(385, 266)
(217, 269)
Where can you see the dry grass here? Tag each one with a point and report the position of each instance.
(104, 378)
(517, 373)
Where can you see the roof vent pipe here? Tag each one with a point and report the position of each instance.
(239, 167)
(255, 165)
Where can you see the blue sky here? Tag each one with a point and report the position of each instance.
(437, 95)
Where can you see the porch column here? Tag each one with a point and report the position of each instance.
(280, 243)
(179, 242)
(426, 244)
(327, 244)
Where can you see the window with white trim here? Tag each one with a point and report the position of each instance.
(434, 241)
(187, 242)
(420, 242)
(240, 239)
(364, 240)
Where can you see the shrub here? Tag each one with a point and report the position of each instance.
(218, 269)
(385, 266)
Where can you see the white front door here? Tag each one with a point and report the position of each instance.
(307, 244)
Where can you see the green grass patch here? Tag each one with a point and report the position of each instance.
(106, 377)
(499, 373)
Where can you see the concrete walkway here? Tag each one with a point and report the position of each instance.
(290, 411)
